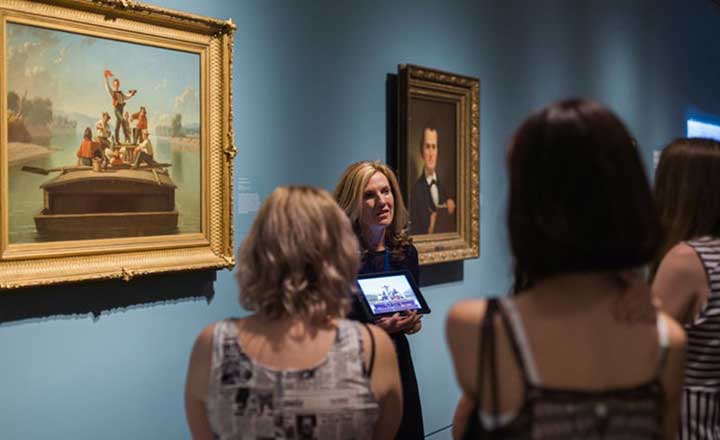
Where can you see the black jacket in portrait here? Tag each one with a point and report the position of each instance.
(421, 205)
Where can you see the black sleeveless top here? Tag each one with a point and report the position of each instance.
(552, 413)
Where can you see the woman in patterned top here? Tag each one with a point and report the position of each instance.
(688, 278)
(554, 361)
(294, 368)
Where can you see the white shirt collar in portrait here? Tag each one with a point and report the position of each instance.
(431, 177)
(434, 193)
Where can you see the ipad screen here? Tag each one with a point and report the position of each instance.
(388, 294)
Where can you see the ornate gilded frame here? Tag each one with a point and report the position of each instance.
(35, 264)
(463, 94)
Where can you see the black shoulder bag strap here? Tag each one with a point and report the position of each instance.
(486, 359)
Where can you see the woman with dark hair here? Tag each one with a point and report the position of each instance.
(369, 194)
(687, 280)
(553, 361)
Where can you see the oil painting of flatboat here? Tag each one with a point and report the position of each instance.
(103, 137)
(83, 203)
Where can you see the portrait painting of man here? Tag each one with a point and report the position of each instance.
(438, 161)
(432, 171)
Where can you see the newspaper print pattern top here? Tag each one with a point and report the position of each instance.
(333, 400)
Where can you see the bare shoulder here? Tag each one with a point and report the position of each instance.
(680, 270)
(197, 380)
(683, 261)
(681, 283)
(682, 249)
(375, 338)
(385, 375)
(202, 349)
(463, 316)
(469, 310)
(462, 330)
(382, 340)
(205, 337)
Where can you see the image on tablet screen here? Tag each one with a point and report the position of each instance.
(389, 294)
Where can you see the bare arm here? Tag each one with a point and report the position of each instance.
(462, 416)
(107, 86)
(196, 385)
(681, 284)
(461, 329)
(672, 377)
(385, 383)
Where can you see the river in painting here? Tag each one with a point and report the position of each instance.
(26, 197)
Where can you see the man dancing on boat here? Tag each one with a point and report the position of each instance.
(119, 99)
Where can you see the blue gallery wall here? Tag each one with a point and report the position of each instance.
(309, 98)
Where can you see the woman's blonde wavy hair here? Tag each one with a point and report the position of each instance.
(300, 257)
(349, 195)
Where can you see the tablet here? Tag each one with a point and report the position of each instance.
(386, 293)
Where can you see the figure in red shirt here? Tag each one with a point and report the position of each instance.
(141, 118)
(87, 149)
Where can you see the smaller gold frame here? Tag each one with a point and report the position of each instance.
(50, 262)
(445, 107)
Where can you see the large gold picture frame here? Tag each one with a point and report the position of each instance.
(131, 209)
(438, 161)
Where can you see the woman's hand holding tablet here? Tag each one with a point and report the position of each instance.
(387, 293)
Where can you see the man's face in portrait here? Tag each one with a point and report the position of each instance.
(116, 84)
(430, 150)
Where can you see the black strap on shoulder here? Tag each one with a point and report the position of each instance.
(514, 344)
(488, 358)
(371, 364)
(488, 369)
(493, 363)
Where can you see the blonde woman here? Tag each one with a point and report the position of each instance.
(294, 368)
(369, 194)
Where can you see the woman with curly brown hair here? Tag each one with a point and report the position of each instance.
(369, 194)
(294, 367)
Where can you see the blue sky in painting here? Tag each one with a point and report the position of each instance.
(68, 69)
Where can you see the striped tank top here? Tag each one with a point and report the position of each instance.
(701, 400)
(333, 400)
